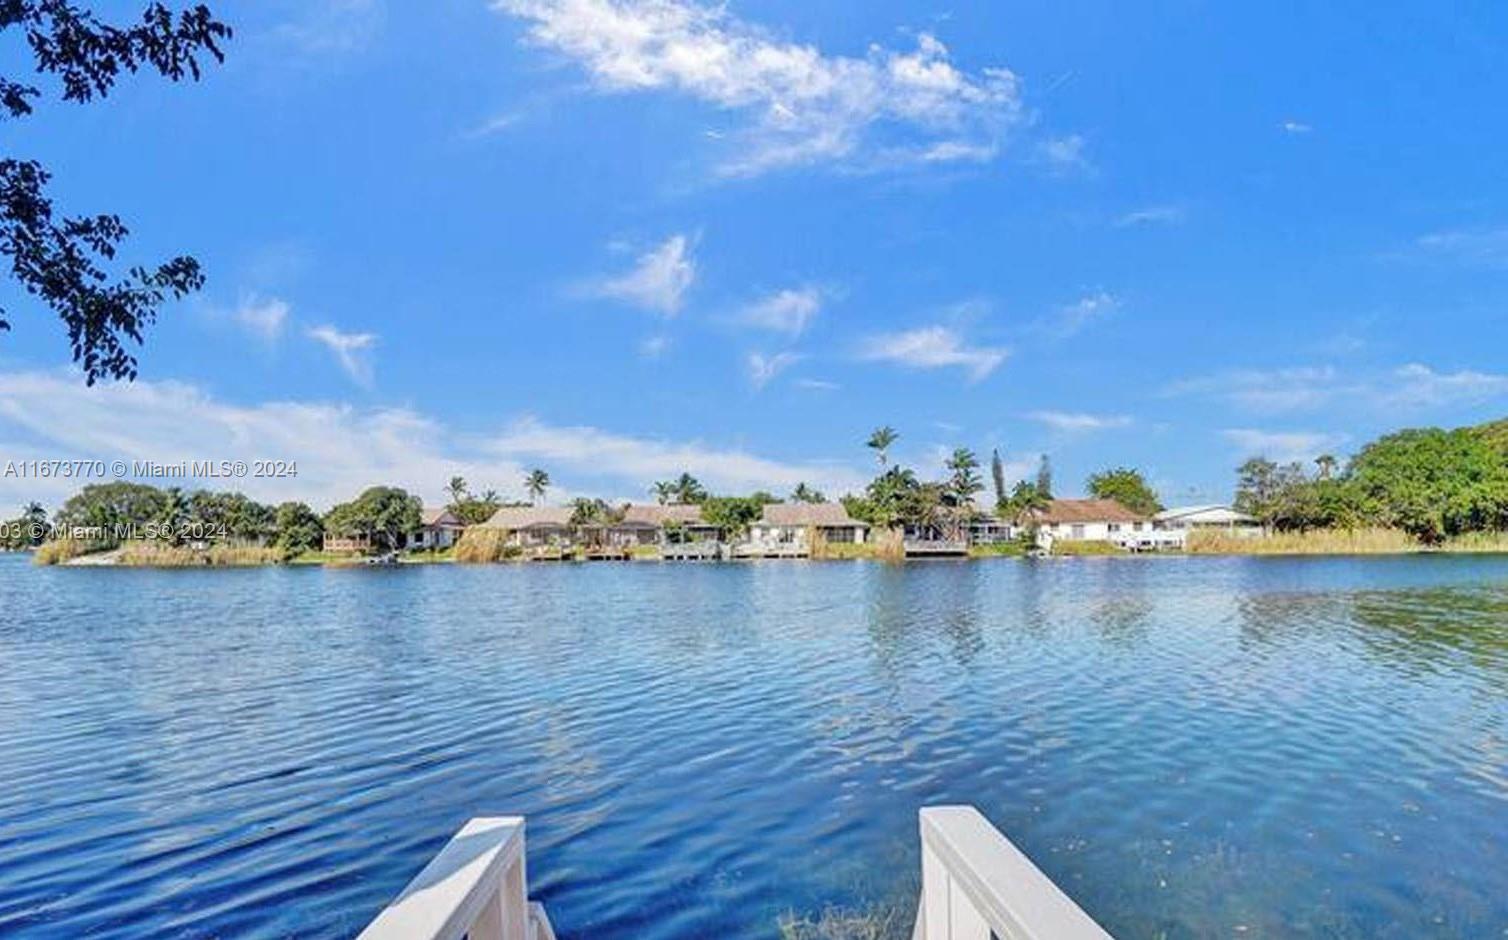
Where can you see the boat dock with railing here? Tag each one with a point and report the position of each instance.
(976, 885)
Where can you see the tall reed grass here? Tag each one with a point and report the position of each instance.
(158, 555)
(480, 545)
(58, 551)
(1374, 541)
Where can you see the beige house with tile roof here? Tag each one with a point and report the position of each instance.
(534, 526)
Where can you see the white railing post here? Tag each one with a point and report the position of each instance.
(475, 888)
(974, 882)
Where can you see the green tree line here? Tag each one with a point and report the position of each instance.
(1429, 482)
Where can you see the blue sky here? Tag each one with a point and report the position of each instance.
(618, 238)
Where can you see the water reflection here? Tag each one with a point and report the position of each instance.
(1192, 747)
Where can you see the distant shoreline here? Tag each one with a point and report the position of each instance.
(113, 558)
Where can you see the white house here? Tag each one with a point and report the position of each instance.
(1222, 518)
(1088, 520)
(438, 529)
(791, 529)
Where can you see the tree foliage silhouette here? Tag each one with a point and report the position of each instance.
(62, 260)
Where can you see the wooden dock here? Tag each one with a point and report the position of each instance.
(976, 885)
(691, 551)
(936, 548)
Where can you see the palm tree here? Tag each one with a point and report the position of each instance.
(689, 490)
(806, 494)
(1327, 464)
(664, 491)
(965, 481)
(457, 490)
(880, 442)
(535, 484)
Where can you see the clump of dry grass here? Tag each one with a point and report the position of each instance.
(1486, 542)
(1374, 541)
(158, 555)
(1076, 547)
(484, 545)
(58, 551)
(883, 922)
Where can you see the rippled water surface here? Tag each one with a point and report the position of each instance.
(1191, 747)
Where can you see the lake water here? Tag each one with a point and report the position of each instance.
(1191, 747)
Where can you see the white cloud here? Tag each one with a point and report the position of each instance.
(1295, 127)
(1151, 215)
(933, 347)
(1073, 318)
(1419, 386)
(788, 311)
(339, 449)
(659, 280)
(803, 106)
(1283, 446)
(640, 460)
(1078, 422)
(817, 385)
(353, 351)
(762, 368)
(264, 318)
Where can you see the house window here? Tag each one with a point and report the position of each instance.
(1076, 531)
(1136, 526)
(839, 535)
(1115, 527)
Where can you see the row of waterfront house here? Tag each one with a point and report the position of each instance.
(801, 530)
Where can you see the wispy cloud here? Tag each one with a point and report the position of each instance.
(762, 368)
(1475, 247)
(340, 449)
(1418, 386)
(788, 311)
(1072, 319)
(1283, 446)
(329, 27)
(1295, 127)
(1268, 390)
(653, 347)
(493, 125)
(353, 351)
(1064, 155)
(1151, 215)
(1410, 387)
(803, 106)
(639, 460)
(1072, 422)
(658, 281)
(263, 318)
(817, 385)
(933, 347)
